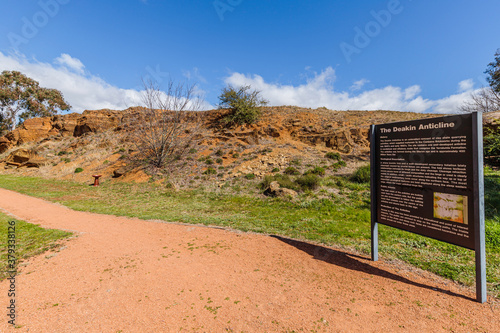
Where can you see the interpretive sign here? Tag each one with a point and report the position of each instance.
(427, 178)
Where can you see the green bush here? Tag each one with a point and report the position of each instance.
(236, 155)
(250, 176)
(218, 161)
(362, 174)
(284, 180)
(192, 151)
(78, 170)
(209, 161)
(219, 152)
(333, 156)
(308, 182)
(316, 171)
(491, 146)
(210, 171)
(275, 170)
(291, 171)
(338, 165)
(243, 104)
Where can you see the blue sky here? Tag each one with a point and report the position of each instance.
(407, 55)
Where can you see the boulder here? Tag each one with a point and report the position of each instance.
(275, 190)
(4, 144)
(20, 156)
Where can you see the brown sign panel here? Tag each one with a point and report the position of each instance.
(424, 176)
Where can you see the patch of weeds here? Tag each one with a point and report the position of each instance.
(275, 170)
(308, 182)
(78, 170)
(291, 171)
(296, 161)
(105, 162)
(333, 156)
(362, 174)
(62, 152)
(66, 160)
(320, 171)
(192, 151)
(210, 171)
(338, 165)
(236, 155)
(201, 159)
(250, 176)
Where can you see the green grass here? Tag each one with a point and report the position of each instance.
(342, 220)
(30, 240)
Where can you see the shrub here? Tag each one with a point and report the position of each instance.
(291, 171)
(236, 155)
(63, 152)
(210, 171)
(243, 105)
(66, 160)
(192, 151)
(491, 146)
(275, 170)
(308, 182)
(362, 174)
(219, 160)
(338, 165)
(219, 152)
(284, 180)
(316, 171)
(333, 156)
(296, 161)
(209, 161)
(78, 170)
(250, 176)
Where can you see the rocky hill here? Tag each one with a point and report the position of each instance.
(76, 146)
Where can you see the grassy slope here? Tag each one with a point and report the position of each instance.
(343, 220)
(30, 239)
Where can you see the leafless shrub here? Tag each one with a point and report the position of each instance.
(168, 124)
(484, 100)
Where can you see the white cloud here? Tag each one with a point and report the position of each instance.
(83, 91)
(319, 91)
(465, 85)
(357, 85)
(71, 63)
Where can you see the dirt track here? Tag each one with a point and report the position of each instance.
(129, 275)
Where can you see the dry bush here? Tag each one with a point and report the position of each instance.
(485, 100)
(168, 125)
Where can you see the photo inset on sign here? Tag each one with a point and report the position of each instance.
(450, 207)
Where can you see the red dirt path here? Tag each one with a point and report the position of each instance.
(128, 275)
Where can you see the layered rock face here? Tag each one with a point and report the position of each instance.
(73, 124)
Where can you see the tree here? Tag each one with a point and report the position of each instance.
(22, 97)
(168, 125)
(243, 105)
(493, 71)
(487, 99)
